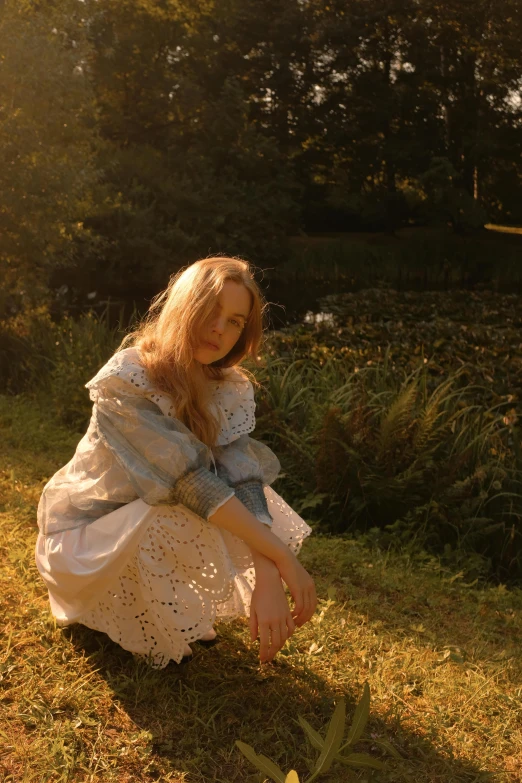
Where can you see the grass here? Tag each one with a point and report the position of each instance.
(441, 656)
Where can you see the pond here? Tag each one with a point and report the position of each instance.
(289, 302)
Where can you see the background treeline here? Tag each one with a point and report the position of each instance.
(138, 135)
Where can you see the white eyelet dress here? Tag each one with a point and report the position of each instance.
(125, 545)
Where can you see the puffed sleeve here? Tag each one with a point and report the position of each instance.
(164, 461)
(247, 465)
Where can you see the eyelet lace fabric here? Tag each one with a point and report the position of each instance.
(232, 399)
(183, 575)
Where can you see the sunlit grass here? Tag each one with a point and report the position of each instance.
(442, 659)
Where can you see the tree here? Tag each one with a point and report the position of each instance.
(47, 145)
(186, 170)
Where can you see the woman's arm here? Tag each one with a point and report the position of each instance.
(247, 465)
(270, 616)
(234, 516)
(237, 519)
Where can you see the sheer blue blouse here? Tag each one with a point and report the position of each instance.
(136, 447)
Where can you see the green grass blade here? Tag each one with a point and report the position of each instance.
(361, 761)
(360, 718)
(332, 742)
(262, 763)
(315, 738)
(389, 747)
(292, 777)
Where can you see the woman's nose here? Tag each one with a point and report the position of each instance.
(218, 325)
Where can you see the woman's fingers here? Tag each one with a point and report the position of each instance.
(276, 644)
(274, 632)
(309, 606)
(298, 604)
(299, 611)
(284, 632)
(273, 637)
(253, 624)
(264, 642)
(277, 634)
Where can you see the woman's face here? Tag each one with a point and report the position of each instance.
(223, 329)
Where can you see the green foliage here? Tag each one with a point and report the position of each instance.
(54, 360)
(407, 450)
(329, 747)
(138, 137)
(144, 136)
(47, 141)
(447, 200)
(187, 172)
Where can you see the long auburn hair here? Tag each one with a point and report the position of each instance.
(167, 337)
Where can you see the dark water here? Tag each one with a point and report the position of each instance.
(289, 302)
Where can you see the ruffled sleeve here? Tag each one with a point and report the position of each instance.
(244, 463)
(163, 460)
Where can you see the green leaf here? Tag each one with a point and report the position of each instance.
(313, 735)
(360, 718)
(332, 742)
(361, 760)
(292, 777)
(332, 593)
(389, 747)
(262, 763)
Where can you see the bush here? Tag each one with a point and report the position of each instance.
(52, 361)
(368, 451)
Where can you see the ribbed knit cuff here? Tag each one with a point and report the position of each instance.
(251, 494)
(202, 492)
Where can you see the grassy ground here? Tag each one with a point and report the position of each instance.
(441, 656)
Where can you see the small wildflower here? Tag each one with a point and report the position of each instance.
(510, 418)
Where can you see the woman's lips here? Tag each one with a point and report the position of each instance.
(212, 346)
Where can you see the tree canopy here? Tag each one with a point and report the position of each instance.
(138, 135)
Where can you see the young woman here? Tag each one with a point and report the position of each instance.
(164, 518)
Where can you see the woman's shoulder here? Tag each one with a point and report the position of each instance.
(235, 374)
(124, 371)
(233, 397)
(234, 384)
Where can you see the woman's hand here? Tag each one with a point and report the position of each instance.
(301, 586)
(270, 616)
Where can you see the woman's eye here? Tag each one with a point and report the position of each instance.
(236, 323)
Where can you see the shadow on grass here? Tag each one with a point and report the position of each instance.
(196, 710)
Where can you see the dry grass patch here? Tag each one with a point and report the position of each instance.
(441, 656)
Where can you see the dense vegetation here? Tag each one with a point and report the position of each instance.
(138, 136)
(394, 415)
(404, 425)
